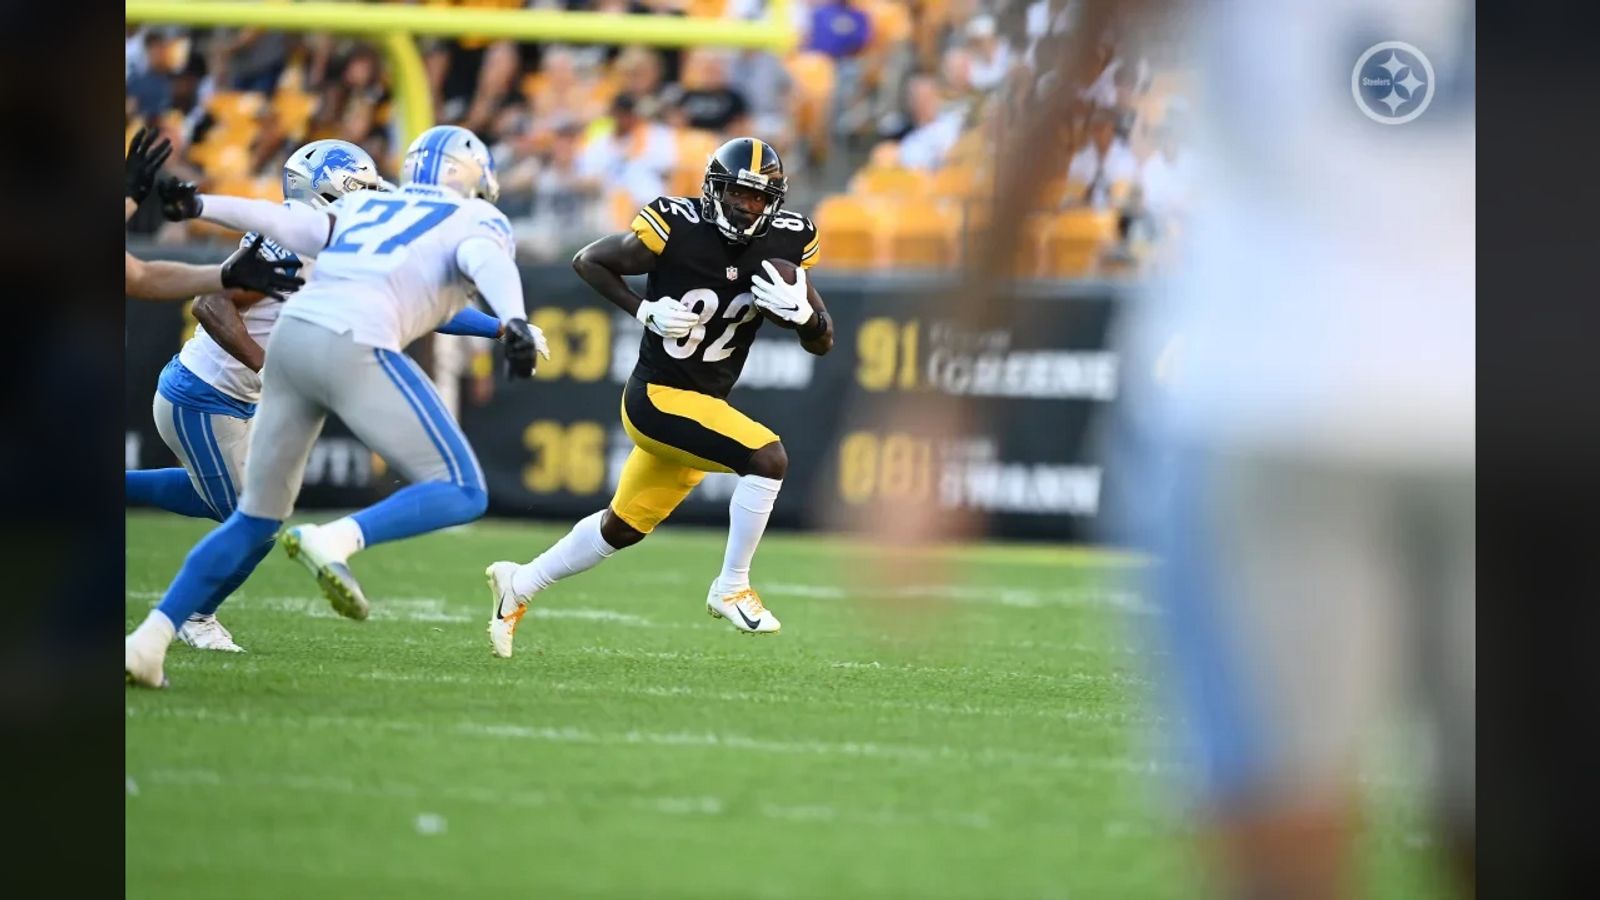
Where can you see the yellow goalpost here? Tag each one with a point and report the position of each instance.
(395, 27)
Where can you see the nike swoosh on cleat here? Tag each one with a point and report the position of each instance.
(748, 624)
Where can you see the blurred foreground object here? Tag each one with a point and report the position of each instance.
(1304, 462)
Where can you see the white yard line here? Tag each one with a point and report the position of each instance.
(572, 734)
(702, 805)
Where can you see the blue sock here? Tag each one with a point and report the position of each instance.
(238, 580)
(168, 489)
(228, 553)
(419, 509)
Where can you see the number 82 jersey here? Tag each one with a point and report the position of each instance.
(711, 275)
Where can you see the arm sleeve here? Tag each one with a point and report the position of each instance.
(295, 226)
(494, 274)
(472, 323)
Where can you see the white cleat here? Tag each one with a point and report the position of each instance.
(743, 610)
(143, 654)
(304, 544)
(206, 633)
(508, 608)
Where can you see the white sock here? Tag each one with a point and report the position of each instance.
(155, 627)
(343, 536)
(582, 549)
(748, 512)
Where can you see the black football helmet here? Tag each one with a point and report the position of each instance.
(750, 163)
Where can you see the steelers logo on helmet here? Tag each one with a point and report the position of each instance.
(743, 189)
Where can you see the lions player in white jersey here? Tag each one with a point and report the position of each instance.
(206, 398)
(390, 268)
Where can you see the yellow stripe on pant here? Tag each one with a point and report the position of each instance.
(678, 436)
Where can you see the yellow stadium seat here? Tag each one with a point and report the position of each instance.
(236, 106)
(294, 110)
(889, 181)
(851, 230)
(622, 209)
(891, 23)
(918, 233)
(1074, 239)
(695, 147)
(686, 180)
(707, 9)
(954, 182)
(222, 159)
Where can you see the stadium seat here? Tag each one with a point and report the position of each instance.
(891, 181)
(695, 147)
(1074, 239)
(236, 106)
(954, 182)
(294, 110)
(918, 233)
(851, 229)
(222, 158)
(813, 76)
(686, 180)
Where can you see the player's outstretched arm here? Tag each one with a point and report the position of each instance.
(295, 226)
(603, 263)
(166, 280)
(219, 313)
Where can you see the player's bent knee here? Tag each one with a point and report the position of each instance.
(771, 461)
(617, 533)
(471, 504)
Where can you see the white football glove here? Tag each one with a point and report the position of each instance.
(667, 317)
(784, 300)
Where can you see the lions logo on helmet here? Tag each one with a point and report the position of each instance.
(323, 171)
(452, 157)
(750, 169)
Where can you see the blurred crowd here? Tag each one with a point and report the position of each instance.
(886, 115)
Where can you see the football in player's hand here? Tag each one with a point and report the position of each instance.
(787, 271)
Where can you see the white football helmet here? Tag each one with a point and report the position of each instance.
(323, 171)
(452, 157)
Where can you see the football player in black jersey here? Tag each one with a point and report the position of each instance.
(710, 286)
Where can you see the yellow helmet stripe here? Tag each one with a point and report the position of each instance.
(755, 154)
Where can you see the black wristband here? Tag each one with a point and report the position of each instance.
(817, 327)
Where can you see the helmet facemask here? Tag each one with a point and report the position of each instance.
(741, 222)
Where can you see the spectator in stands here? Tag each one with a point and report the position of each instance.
(151, 86)
(565, 92)
(705, 100)
(935, 127)
(471, 76)
(562, 199)
(839, 29)
(639, 75)
(256, 58)
(991, 56)
(635, 154)
(768, 88)
(1164, 181)
(1106, 160)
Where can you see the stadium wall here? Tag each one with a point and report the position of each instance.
(553, 447)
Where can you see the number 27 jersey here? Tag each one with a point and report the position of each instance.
(710, 275)
(388, 275)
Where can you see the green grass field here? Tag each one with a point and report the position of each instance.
(636, 748)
